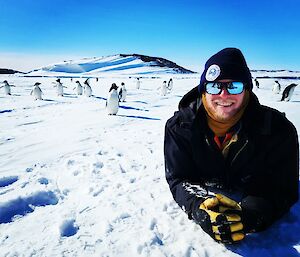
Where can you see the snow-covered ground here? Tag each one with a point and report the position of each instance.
(75, 181)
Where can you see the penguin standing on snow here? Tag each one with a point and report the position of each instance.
(36, 91)
(87, 88)
(276, 87)
(163, 88)
(122, 92)
(256, 82)
(59, 88)
(170, 85)
(7, 87)
(288, 92)
(138, 83)
(78, 88)
(112, 102)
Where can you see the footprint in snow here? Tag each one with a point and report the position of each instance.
(68, 228)
(24, 205)
(43, 181)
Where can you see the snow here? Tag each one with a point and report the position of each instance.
(75, 181)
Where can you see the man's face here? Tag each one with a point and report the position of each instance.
(224, 106)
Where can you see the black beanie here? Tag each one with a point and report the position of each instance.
(229, 63)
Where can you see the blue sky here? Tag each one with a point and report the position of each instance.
(188, 32)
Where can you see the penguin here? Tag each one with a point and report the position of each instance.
(163, 88)
(78, 88)
(276, 87)
(170, 85)
(113, 86)
(87, 88)
(122, 92)
(7, 87)
(138, 83)
(36, 91)
(256, 83)
(112, 102)
(288, 92)
(59, 88)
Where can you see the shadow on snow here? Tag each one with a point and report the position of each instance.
(4, 111)
(277, 241)
(138, 117)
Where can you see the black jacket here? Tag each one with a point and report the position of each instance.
(262, 166)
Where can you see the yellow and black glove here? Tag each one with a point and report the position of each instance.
(220, 217)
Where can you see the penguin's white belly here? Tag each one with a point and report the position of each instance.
(60, 90)
(163, 90)
(79, 90)
(112, 104)
(37, 94)
(7, 90)
(276, 89)
(88, 91)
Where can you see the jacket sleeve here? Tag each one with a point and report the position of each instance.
(274, 193)
(179, 165)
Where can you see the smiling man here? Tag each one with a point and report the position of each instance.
(231, 163)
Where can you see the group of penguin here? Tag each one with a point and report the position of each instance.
(86, 89)
(165, 88)
(37, 92)
(116, 94)
(287, 92)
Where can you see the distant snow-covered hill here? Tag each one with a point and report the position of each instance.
(134, 64)
(120, 64)
(8, 71)
(277, 74)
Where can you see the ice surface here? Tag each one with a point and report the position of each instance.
(75, 181)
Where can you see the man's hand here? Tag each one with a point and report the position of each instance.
(220, 217)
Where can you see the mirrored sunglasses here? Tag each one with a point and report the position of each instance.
(233, 88)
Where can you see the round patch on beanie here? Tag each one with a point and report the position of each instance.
(212, 72)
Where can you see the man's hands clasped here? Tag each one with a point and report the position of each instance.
(220, 217)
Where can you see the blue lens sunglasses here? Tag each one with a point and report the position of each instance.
(233, 88)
